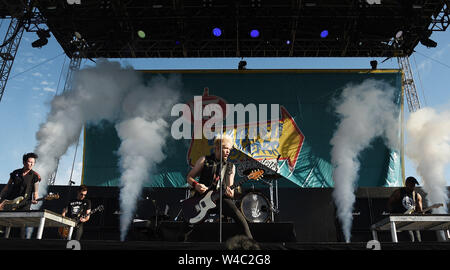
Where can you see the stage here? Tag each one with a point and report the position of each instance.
(306, 221)
(55, 244)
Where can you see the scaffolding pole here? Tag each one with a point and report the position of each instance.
(8, 51)
(408, 83)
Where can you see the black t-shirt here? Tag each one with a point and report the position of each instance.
(77, 208)
(22, 185)
(406, 201)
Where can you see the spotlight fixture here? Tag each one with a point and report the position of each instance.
(242, 65)
(374, 64)
(43, 38)
(428, 43)
(254, 33)
(141, 34)
(324, 34)
(217, 32)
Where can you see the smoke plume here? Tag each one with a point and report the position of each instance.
(366, 111)
(143, 132)
(118, 95)
(96, 95)
(428, 146)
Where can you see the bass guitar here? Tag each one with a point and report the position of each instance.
(196, 208)
(11, 205)
(64, 231)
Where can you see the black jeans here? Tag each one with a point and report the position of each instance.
(78, 232)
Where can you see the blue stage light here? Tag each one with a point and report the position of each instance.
(324, 34)
(217, 32)
(254, 33)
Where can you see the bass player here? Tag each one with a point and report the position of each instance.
(209, 169)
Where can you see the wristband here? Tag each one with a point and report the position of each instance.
(194, 183)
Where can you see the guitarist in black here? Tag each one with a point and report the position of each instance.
(79, 209)
(406, 199)
(207, 168)
(22, 182)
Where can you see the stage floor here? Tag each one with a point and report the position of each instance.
(54, 244)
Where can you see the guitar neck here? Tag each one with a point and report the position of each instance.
(235, 185)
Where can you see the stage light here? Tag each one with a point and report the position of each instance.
(141, 34)
(324, 34)
(254, 33)
(217, 32)
(374, 64)
(42, 41)
(428, 43)
(288, 42)
(39, 43)
(77, 35)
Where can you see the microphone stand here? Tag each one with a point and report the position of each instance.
(221, 191)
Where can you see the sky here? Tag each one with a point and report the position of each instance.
(38, 74)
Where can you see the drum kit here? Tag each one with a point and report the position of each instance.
(256, 206)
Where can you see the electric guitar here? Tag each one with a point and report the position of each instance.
(412, 209)
(64, 231)
(196, 208)
(11, 205)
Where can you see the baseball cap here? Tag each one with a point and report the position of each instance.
(412, 179)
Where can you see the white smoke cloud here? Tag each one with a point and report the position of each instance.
(428, 146)
(366, 111)
(97, 93)
(119, 95)
(143, 132)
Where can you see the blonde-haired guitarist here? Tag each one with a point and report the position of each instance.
(210, 169)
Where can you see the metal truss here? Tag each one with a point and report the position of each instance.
(8, 51)
(408, 83)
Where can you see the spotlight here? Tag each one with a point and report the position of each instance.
(141, 34)
(428, 43)
(288, 42)
(39, 43)
(42, 41)
(242, 65)
(217, 32)
(374, 64)
(324, 34)
(254, 33)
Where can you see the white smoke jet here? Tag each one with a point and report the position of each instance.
(428, 146)
(143, 132)
(96, 95)
(366, 111)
